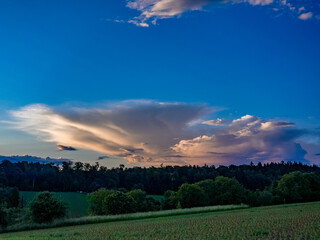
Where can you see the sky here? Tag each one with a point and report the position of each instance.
(150, 82)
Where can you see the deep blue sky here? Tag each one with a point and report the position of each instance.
(247, 59)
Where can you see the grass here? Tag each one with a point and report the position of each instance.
(77, 202)
(294, 221)
(122, 217)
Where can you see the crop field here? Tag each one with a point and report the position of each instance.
(294, 221)
(77, 202)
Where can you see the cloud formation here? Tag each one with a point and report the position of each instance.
(66, 148)
(34, 159)
(246, 139)
(135, 130)
(153, 10)
(217, 122)
(153, 132)
(306, 16)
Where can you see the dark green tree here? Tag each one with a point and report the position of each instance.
(96, 200)
(228, 191)
(118, 203)
(45, 207)
(191, 195)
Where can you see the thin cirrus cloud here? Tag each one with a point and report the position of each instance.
(153, 132)
(153, 10)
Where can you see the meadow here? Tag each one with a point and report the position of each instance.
(77, 202)
(291, 221)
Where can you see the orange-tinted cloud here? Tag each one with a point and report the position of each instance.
(153, 132)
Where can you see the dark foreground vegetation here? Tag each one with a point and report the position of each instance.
(222, 187)
(291, 221)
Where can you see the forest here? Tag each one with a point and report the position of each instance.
(85, 177)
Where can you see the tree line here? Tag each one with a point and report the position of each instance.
(291, 188)
(85, 177)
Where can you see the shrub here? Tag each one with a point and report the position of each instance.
(3, 217)
(169, 201)
(45, 207)
(96, 201)
(299, 187)
(191, 195)
(118, 203)
(228, 191)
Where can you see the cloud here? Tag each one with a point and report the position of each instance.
(217, 122)
(272, 125)
(153, 132)
(306, 16)
(245, 139)
(139, 131)
(34, 159)
(103, 157)
(65, 148)
(152, 10)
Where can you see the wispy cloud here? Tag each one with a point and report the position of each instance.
(160, 132)
(153, 10)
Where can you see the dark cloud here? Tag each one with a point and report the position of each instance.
(34, 159)
(103, 157)
(66, 148)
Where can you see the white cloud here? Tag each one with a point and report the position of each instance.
(217, 122)
(260, 2)
(245, 139)
(306, 16)
(152, 10)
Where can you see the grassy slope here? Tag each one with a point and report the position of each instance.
(77, 202)
(295, 221)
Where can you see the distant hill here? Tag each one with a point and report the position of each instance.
(33, 159)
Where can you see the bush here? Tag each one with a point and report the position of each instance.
(143, 203)
(118, 203)
(96, 200)
(169, 201)
(299, 187)
(3, 217)
(228, 191)
(191, 195)
(45, 207)
(9, 196)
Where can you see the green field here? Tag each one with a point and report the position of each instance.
(77, 202)
(295, 221)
